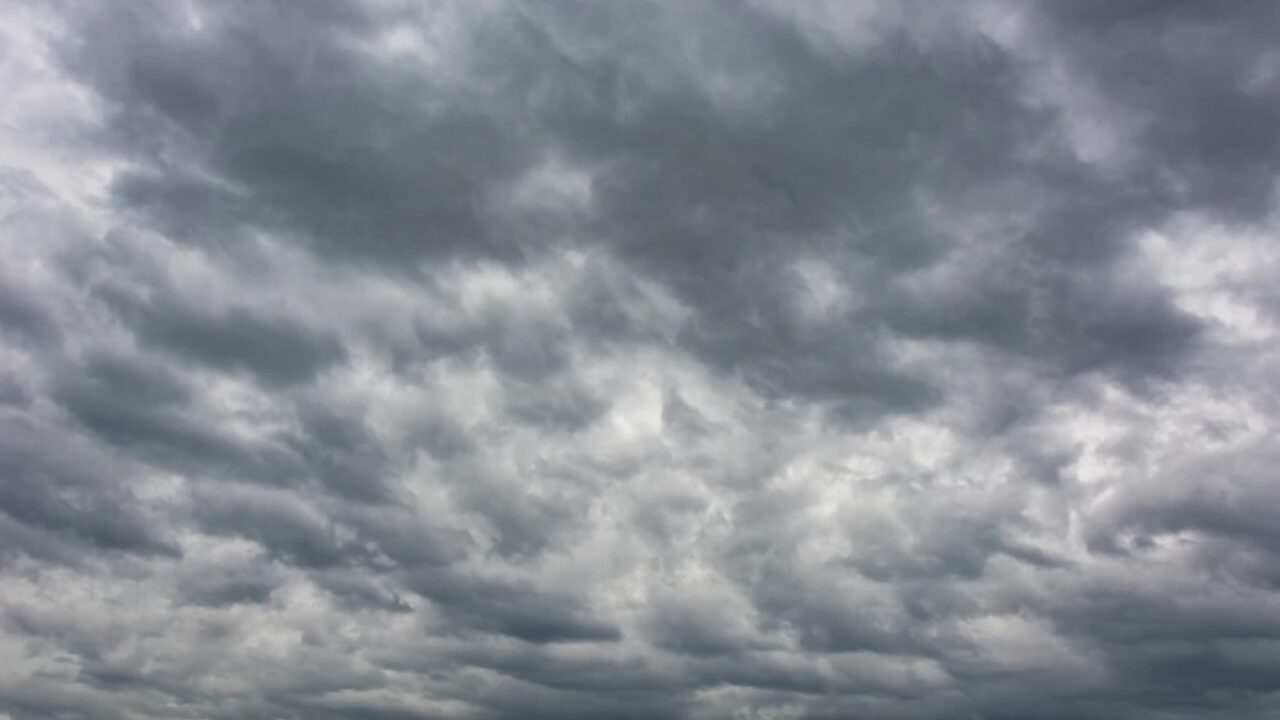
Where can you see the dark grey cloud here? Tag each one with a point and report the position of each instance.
(517, 610)
(58, 489)
(23, 319)
(272, 349)
(483, 360)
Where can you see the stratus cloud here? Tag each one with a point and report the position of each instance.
(487, 360)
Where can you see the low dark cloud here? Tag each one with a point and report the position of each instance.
(482, 360)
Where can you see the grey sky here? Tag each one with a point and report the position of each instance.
(383, 360)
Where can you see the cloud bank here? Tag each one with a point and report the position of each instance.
(385, 361)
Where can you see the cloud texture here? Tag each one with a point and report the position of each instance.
(380, 360)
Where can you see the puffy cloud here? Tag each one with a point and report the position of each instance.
(486, 360)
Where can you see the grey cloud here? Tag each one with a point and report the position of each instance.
(524, 346)
(342, 453)
(294, 532)
(1219, 496)
(517, 610)
(146, 408)
(12, 393)
(557, 405)
(356, 592)
(23, 318)
(260, 92)
(484, 360)
(702, 626)
(222, 586)
(142, 407)
(55, 489)
(1205, 132)
(276, 350)
(316, 536)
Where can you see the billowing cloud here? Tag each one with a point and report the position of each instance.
(373, 359)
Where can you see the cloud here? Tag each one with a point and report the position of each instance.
(484, 360)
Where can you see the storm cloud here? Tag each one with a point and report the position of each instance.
(377, 359)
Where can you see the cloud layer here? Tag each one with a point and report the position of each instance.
(378, 360)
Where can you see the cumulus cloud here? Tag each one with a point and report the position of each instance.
(370, 359)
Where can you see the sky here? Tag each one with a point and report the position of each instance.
(752, 359)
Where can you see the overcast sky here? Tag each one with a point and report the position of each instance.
(757, 360)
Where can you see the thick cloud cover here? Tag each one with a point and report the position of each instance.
(387, 360)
